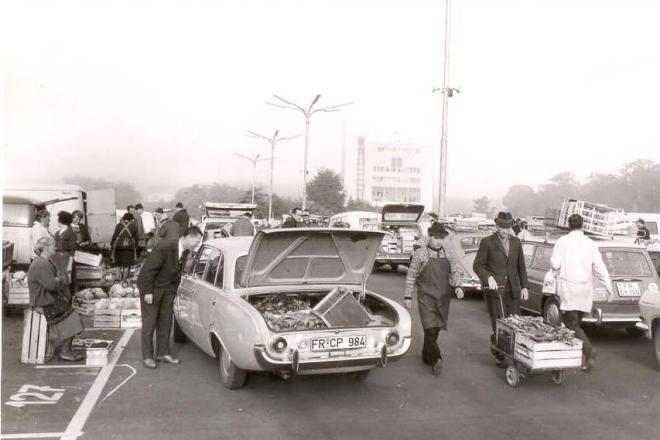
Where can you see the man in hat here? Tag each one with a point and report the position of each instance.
(433, 270)
(500, 265)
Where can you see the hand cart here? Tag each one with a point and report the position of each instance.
(525, 356)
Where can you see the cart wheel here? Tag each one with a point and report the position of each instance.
(460, 293)
(557, 376)
(512, 376)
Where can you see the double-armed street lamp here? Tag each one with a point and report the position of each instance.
(272, 141)
(307, 113)
(254, 161)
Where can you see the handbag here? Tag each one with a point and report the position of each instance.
(550, 283)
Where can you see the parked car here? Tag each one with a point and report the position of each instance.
(256, 304)
(629, 266)
(467, 245)
(649, 308)
(401, 224)
(355, 219)
(218, 218)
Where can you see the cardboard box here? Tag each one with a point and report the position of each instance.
(87, 258)
(97, 351)
(131, 318)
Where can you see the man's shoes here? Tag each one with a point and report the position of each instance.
(169, 359)
(437, 367)
(589, 364)
(149, 363)
(501, 363)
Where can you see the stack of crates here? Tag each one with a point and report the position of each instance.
(598, 219)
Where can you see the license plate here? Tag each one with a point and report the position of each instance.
(628, 289)
(338, 343)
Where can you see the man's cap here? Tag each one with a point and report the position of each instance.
(504, 220)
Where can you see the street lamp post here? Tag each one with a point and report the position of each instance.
(272, 141)
(254, 161)
(447, 92)
(307, 113)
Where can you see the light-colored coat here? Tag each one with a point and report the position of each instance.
(578, 261)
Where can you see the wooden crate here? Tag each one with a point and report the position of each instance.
(87, 258)
(18, 295)
(547, 355)
(131, 318)
(35, 337)
(107, 318)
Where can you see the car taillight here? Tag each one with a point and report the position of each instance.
(279, 345)
(653, 287)
(392, 338)
(600, 294)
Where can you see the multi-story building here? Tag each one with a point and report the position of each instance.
(383, 173)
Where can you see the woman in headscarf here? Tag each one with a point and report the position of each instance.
(124, 245)
(66, 242)
(82, 233)
(48, 291)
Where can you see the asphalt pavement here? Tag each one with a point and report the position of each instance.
(619, 399)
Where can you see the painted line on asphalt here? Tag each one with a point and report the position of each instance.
(64, 366)
(36, 435)
(73, 431)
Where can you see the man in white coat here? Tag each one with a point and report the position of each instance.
(578, 261)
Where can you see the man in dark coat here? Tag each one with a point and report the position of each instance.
(168, 229)
(500, 265)
(295, 220)
(158, 283)
(242, 227)
(181, 217)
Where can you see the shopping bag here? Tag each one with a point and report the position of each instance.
(550, 282)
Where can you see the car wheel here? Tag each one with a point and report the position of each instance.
(656, 343)
(359, 376)
(231, 376)
(551, 312)
(557, 377)
(512, 376)
(394, 266)
(179, 336)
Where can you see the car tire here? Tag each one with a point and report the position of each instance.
(394, 267)
(656, 343)
(179, 336)
(359, 376)
(231, 376)
(552, 312)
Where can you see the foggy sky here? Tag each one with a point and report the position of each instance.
(160, 93)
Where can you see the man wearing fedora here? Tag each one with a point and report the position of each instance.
(500, 265)
(433, 270)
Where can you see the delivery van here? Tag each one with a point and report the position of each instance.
(20, 202)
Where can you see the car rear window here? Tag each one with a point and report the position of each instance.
(626, 263)
(542, 257)
(470, 244)
(238, 271)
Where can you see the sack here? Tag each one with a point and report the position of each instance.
(550, 282)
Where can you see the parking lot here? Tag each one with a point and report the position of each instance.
(619, 399)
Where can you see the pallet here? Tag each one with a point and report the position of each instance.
(35, 337)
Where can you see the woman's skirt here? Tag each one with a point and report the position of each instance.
(125, 257)
(70, 326)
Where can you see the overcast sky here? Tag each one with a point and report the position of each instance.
(160, 93)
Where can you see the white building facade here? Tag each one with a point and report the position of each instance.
(382, 173)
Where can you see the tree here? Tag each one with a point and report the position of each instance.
(482, 204)
(326, 192)
(361, 205)
(520, 200)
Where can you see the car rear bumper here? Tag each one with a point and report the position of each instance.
(394, 258)
(612, 318)
(469, 285)
(299, 366)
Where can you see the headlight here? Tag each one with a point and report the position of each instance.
(653, 287)
(279, 345)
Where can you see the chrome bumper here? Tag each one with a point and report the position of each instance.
(296, 365)
(599, 318)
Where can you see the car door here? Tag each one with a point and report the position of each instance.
(186, 297)
(535, 275)
(205, 295)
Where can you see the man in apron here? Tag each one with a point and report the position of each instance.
(433, 270)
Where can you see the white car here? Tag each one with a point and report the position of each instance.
(290, 301)
(649, 307)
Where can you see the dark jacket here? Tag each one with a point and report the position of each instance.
(43, 283)
(82, 235)
(183, 219)
(242, 227)
(291, 223)
(119, 228)
(169, 230)
(66, 241)
(162, 268)
(491, 260)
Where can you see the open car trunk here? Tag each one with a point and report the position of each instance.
(319, 309)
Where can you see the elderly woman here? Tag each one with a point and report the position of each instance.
(124, 245)
(48, 291)
(65, 245)
(82, 233)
